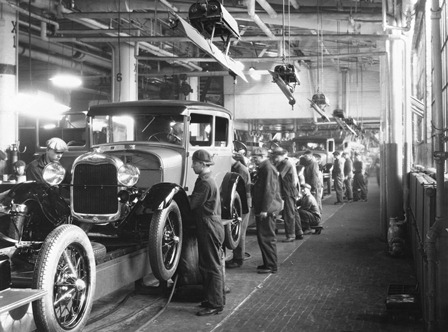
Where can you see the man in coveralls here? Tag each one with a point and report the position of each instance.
(206, 207)
(338, 176)
(55, 149)
(267, 202)
(288, 188)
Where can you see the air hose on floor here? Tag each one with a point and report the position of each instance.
(144, 326)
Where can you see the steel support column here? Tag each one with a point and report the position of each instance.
(436, 242)
(124, 75)
(8, 78)
(393, 147)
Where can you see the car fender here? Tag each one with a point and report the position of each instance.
(159, 197)
(231, 184)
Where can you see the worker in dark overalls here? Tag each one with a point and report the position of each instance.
(267, 203)
(206, 207)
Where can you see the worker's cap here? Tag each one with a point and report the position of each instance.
(19, 163)
(336, 153)
(259, 152)
(279, 151)
(203, 156)
(56, 144)
(305, 185)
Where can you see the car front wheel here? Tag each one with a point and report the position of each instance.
(233, 229)
(165, 241)
(65, 268)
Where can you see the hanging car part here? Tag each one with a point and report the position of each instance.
(320, 111)
(286, 89)
(212, 19)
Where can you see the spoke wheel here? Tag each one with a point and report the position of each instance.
(233, 229)
(65, 268)
(165, 241)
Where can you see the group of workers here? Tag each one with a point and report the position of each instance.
(280, 188)
(276, 189)
(350, 178)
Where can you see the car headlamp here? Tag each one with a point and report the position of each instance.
(53, 174)
(128, 175)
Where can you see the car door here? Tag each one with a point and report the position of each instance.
(212, 133)
(200, 137)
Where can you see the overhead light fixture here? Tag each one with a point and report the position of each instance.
(39, 106)
(254, 73)
(67, 81)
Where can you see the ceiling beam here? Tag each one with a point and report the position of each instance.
(175, 39)
(237, 13)
(267, 59)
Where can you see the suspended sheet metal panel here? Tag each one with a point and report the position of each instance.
(207, 46)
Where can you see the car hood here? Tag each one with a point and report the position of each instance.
(163, 163)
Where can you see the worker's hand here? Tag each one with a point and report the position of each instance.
(263, 214)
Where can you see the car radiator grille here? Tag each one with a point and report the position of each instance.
(95, 189)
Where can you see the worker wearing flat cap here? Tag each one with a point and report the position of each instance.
(55, 149)
(289, 181)
(267, 203)
(205, 204)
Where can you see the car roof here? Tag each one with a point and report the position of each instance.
(168, 107)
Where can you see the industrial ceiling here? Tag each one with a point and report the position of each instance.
(78, 35)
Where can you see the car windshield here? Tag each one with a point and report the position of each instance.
(153, 128)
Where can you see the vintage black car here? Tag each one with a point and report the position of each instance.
(124, 211)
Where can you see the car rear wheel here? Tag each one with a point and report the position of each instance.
(165, 241)
(65, 268)
(233, 229)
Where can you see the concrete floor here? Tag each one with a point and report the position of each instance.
(336, 281)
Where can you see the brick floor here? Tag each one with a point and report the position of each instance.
(336, 281)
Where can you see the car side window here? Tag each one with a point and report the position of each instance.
(201, 130)
(221, 132)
